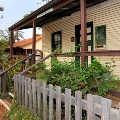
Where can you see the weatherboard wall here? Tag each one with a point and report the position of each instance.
(38, 45)
(106, 13)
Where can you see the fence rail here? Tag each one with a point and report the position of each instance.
(52, 104)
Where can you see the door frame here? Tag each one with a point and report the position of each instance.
(89, 42)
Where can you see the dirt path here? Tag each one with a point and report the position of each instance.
(2, 112)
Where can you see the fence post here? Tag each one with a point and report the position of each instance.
(4, 83)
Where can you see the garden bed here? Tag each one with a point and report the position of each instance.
(2, 112)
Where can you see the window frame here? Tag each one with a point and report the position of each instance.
(60, 42)
(97, 35)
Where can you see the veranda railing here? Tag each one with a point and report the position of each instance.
(3, 76)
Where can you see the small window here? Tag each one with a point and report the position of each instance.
(100, 35)
(56, 41)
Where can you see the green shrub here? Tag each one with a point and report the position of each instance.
(94, 78)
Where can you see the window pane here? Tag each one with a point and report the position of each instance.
(55, 37)
(56, 41)
(58, 35)
(100, 35)
(58, 46)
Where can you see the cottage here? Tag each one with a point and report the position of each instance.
(24, 47)
(93, 26)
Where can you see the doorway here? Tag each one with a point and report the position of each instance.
(89, 41)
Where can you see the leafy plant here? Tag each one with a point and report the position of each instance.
(94, 78)
(18, 112)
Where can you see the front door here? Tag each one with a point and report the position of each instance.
(89, 41)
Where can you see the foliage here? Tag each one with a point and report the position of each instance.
(5, 63)
(18, 112)
(1, 8)
(94, 78)
(4, 35)
(3, 54)
(28, 14)
(37, 70)
(12, 71)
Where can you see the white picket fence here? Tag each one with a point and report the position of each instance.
(46, 102)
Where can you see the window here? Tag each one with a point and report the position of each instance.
(100, 35)
(56, 41)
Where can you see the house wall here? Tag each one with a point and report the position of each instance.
(38, 45)
(106, 13)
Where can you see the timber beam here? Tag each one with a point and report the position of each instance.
(34, 41)
(103, 53)
(91, 53)
(83, 31)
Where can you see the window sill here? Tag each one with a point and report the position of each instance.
(100, 47)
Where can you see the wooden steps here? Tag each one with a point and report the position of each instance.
(6, 102)
(11, 93)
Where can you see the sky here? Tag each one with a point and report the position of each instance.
(14, 10)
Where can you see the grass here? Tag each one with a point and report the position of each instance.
(18, 112)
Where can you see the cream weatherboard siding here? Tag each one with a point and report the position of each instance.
(38, 45)
(106, 13)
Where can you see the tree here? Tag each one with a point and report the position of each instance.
(3, 54)
(1, 8)
(4, 35)
(27, 14)
(44, 1)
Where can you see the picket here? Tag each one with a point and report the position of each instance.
(30, 93)
(106, 109)
(26, 92)
(50, 102)
(20, 89)
(58, 103)
(44, 101)
(35, 97)
(67, 104)
(78, 105)
(23, 91)
(39, 98)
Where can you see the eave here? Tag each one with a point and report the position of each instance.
(61, 8)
